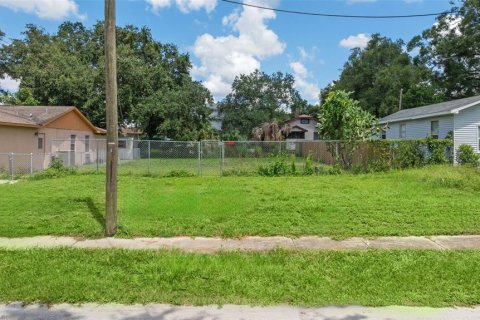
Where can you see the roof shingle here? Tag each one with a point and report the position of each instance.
(31, 115)
(430, 110)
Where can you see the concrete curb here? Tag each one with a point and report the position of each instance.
(17, 311)
(212, 245)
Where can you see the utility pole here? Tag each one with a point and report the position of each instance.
(112, 119)
(400, 101)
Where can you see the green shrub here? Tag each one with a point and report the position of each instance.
(293, 165)
(278, 166)
(410, 154)
(437, 150)
(308, 168)
(178, 173)
(56, 169)
(467, 156)
(238, 173)
(330, 170)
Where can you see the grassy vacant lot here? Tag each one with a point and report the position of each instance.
(435, 200)
(313, 279)
(209, 166)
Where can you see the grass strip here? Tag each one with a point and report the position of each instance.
(429, 201)
(372, 278)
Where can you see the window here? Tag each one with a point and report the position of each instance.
(72, 142)
(122, 144)
(403, 131)
(434, 129)
(296, 135)
(316, 136)
(305, 121)
(87, 143)
(40, 143)
(383, 134)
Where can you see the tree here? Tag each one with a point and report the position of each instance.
(22, 97)
(176, 114)
(66, 68)
(376, 74)
(258, 98)
(451, 48)
(341, 118)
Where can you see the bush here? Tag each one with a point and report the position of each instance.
(308, 168)
(467, 156)
(178, 173)
(56, 169)
(330, 170)
(277, 167)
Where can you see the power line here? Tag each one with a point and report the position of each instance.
(331, 15)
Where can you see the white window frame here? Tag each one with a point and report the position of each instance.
(438, 129)
(73, 139)
(400, 131)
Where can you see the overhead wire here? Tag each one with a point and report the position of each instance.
(334, 15)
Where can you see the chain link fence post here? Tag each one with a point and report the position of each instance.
(31, 164)
(96, 157)
(200, 158)
(10, 165)
(149, 142)
(222, 157)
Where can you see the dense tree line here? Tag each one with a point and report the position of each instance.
(440, 64)
(155, 88)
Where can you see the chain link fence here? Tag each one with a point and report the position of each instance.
(214, 158)
(16, 165)
(185, 158)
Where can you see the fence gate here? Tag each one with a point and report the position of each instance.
(211, 153)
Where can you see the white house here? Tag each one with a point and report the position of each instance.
(302, 128)
(459, 117)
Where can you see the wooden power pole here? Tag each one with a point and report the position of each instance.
(400, 100)
(112, 119)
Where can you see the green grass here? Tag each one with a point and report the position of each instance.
(428, 201)
(375, 278)
(209, 166)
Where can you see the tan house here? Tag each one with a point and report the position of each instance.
(42, 130)
(302, 128)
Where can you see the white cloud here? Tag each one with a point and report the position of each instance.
(183, 5)
(45, 9)
(9, 84)
(358, 41)
(307, 88)
(453, 25)
(298, 68)
(224, 57)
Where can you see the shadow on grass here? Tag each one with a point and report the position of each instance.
(94, 211)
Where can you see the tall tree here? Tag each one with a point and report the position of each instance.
(376, 74)
(66, 68)
(451, 48)
(257, 98)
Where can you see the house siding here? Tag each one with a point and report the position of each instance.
(311, 129)
(466, 128)
(420, 128)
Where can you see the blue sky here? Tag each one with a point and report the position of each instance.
(225, 40)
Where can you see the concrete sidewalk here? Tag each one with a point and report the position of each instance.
(212, 245)
(229, 312)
